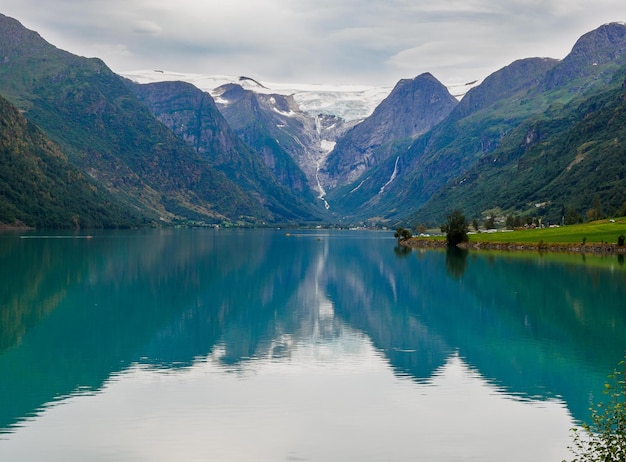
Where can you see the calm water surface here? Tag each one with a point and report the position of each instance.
(220, 345)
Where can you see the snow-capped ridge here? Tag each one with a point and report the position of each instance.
(348, 102)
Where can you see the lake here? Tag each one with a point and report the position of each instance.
(275, 345)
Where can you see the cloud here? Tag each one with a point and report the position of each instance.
(334, 41)
(147, 27)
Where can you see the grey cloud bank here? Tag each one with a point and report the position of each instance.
(340, 41)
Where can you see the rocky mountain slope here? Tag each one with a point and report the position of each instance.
(225, 150)
(413, 107)
(111, 136)
(193, 116)
(481, 122)
(292, 142)
(563, 165)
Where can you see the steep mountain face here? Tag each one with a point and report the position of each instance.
(566, 161)
(254, 155)
(292, 142)
(192, 115)
(475, 126)
(253, 124)
(40, 188)
(594, 59)
(484, 119)
(413, 107)
(104, 129)
(512, 81)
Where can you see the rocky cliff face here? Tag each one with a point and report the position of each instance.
(293, 143)
(413, 107)
(589, 57)
(193, 116)
(479, 124)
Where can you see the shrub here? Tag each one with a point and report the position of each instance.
(604, 440)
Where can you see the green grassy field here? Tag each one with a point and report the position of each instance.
(593, 232)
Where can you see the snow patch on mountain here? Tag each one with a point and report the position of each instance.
(458, 90)
(327, 145)
(283, 113)
(349, 102)
(313, 115)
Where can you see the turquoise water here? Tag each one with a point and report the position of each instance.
(270, 345)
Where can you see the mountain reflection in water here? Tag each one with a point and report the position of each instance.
(77, 312)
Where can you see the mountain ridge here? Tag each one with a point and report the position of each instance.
(193, 115)
(471, 133)
(557, 165)
(250, 153)
(111, 136)
(412, 108)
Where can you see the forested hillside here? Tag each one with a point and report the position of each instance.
(567, 163)
(109, 135)
(39, 188)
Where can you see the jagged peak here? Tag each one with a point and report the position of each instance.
(424, 77)
(604, 45)
(243, 78)
(598, 40)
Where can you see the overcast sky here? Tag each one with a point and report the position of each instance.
(370, 42)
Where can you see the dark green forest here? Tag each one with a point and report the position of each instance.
(568, 161)
(40, 188)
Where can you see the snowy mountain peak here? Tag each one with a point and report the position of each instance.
(349, 102)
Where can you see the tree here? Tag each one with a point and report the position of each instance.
(604, 440)
(455, 228)
(490, 223)
(597, 206)
(572, 216)
(402, 234)
(420, 229)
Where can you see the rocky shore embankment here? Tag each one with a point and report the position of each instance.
(587, 248)
(19, 226)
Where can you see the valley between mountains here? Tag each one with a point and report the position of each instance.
(82, 146)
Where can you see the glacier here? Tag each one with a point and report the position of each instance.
(348, 102)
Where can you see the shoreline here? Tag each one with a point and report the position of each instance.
(590, 248)
(14, 227)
